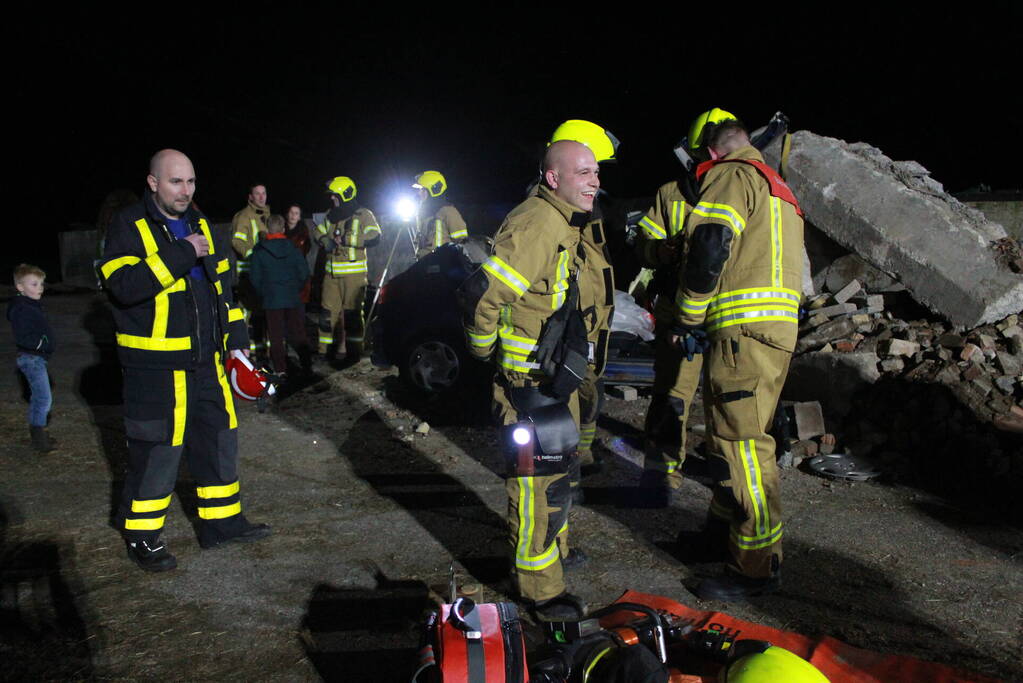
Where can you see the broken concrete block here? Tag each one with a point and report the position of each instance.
(809, 420)
(816, 320)
(423, 428)
(847, 292)
(951, 340)
(983, 383)
(1011, 331)
(622, 392)
(972, 372)
(1005, 384)
(845, 346)
(899, 347)
(892, 365)
(1008, 363)
(852, 267)
(904, 224)
(969, 351)
(827, 348)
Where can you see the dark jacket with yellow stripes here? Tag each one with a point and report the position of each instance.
(156, 306)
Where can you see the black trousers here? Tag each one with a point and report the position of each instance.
(168, 413)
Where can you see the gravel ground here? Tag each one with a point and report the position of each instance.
(369, 515)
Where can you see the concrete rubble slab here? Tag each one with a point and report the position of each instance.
(899, 219)
(809, 420)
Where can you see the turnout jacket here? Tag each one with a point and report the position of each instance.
(744, 253)
(247, 225)
(596, 290)
(357, 231)
(440, 227)
(665, 220)
(524, 281)
(145, 270)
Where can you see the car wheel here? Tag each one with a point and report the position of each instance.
(433, 366)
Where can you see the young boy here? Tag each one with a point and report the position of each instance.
(34, 339)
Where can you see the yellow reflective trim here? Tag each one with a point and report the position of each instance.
(217, 491)
(527, 525)
(223, 265)
(745, 306)
(777, 253)
(438, 236)
(224, 387)
(459, 234)
(482, 339)
(220, 512)
(755, 485)
(593, 662)
(205, 228)
(219, 287)
(180, 407)
(161, 307)
(150, 505)
(506, 274)
(131, 341)
(757, 542)
(721, 212)
(110, 267)
(241, 236)
(145, 524)
(234, 315)
(160, 271)
(148, 241)
(677, 216)
(652, 228)
(754, 290)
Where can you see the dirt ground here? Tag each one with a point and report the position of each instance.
(369, 515)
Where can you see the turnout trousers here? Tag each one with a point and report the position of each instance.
(343, 321)
(675, 382)
(168, 413)
(537, 509)
(743, 383)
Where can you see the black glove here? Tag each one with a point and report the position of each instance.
(691, 340)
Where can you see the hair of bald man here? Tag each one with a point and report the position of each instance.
(728, 136)
(160, 157)
(556, 153)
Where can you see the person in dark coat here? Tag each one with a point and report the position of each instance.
(279, 272)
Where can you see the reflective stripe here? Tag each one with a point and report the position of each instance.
(205, 228)
(652, 229)
(161, 308)
(586, 435)
(152, 505)
(563, 529)
(459, 234)
(758, 304)
(160, 271)
(110, 267)
(693, 306)
(753, 315)
(371, 228)
(219, 287)
(482, 339)
(241, 236)
(243, 265)
(347, 267)
(515, 343)
(145, 524)
(235, 314)
(232, 421)
(220, 511)
(787, 297)
(758, 542)
(131, 341)
(437, 234)
(326, 339)
(776, 243)
(223, 265)
(755, 486)
(722, 212)
(561, 283)
(519, 364)
(678, 214)
(506, 274)
(148, 242)
(217, 491)
(523, 559)
(180, 406)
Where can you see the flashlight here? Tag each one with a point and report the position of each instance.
(521, 436)
(405, 208)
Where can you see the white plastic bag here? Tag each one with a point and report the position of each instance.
(631, 317)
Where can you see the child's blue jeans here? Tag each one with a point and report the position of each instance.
(34, 369)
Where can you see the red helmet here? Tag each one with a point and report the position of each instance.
(247, 381)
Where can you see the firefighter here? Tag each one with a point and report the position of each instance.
(742, 285)
(249, 226)
(437, 220)
(659, 246)
(597, 295)
(346, 232)
(169, 280)
(526, 287)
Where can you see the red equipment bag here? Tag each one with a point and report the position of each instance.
(469, 643)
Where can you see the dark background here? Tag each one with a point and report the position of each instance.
(252, 94)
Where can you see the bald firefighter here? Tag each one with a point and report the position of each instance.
(742, 284)
(523, 306)
(437, 221)
(346, 232)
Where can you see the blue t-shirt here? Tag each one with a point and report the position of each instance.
(179, 227)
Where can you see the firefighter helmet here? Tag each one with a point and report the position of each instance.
(343, 187)
(601, 142)
(773, 664)
(247, 381)
(704, 122)
(431, 181)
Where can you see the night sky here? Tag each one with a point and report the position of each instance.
(292, 101)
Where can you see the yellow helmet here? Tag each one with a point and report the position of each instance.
(343, 187)
(431, 181)
(601, 142)
(711, 117)
(771, 665)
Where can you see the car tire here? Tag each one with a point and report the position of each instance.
(433, 365)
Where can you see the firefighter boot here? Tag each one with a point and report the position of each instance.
(564, 607)
(151, 556)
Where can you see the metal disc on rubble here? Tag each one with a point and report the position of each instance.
(844, 466)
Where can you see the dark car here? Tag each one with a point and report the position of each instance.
(418, 327)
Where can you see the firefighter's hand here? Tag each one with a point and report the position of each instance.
(199, 243)
(690, 340)
(666, 251)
